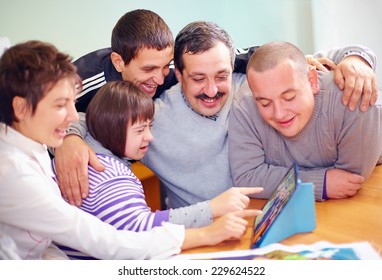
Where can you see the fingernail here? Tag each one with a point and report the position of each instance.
(83, 195)
(78, 204)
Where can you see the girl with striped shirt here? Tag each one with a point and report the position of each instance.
(119, 118)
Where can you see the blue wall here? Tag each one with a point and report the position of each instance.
(78, 27)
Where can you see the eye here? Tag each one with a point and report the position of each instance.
(61, 105)
(264, 103)
(289, 96)
(222, 78)
(198, 80)
(148, 69)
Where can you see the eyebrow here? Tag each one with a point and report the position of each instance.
(135, 126)
(225, 71)
(264, 98)
(58, 99)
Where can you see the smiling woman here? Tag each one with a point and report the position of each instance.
(37, 92)
(38, 101)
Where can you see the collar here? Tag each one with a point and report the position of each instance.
(29, 147)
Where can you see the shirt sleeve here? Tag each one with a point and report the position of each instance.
(38, 207)
(121, 202)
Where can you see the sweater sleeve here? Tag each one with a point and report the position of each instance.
(78, 128)
(359, 138)
(192, 216)
(338, 54)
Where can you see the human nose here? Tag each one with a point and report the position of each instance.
(278, 111)
(210, 89)
(72, 113)
(159, 77)
(149, 136)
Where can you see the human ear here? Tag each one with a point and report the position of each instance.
(178, 75)
(313, 80)
(20, 107)
(117, 61)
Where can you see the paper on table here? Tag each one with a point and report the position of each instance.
(277, 251)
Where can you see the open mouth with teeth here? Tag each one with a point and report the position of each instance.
(208, 99)
(149, 88)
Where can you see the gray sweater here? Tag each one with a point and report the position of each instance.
(333, 138)
(189, 152)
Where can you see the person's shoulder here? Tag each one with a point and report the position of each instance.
(243, 92)
(239, 77)
(326, 81)
(97, 54)
(113, 167)
(94, 64)
(169, 95)
(93, 61)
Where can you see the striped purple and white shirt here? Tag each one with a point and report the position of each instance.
(116, 197)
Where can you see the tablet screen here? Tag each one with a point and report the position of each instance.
(275, 204)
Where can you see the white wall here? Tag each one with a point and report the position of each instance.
(81, 26)
(343, 22)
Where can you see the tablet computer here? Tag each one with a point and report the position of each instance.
(275, 204)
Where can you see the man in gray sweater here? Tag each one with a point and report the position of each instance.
(189, 152)
(290, 112)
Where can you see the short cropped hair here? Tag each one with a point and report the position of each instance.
(116, 105)
(198, 37)
(29, 70)
(139, 29)
(269, 55)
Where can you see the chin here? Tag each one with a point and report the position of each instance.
(56, 143)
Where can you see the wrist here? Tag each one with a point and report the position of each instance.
(73, 132)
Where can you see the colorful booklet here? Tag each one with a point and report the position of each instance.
(289, 210)
(321, 250)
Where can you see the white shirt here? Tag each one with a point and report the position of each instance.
(33, 213)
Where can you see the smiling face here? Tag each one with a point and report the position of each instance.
(53, 115)
(206, 79)
(283, 96)
(147, 69)
(137, 139)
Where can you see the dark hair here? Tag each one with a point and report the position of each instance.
(30, 70)
(116, 105)
(269, 55)
(198, 37)
(139, 29)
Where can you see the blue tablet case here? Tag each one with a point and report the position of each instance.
(297, 216)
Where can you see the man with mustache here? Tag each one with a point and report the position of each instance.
(189, 152)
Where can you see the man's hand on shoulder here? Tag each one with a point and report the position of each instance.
(71, 163)
(357, 79)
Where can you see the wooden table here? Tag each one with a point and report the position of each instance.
(358, 218)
